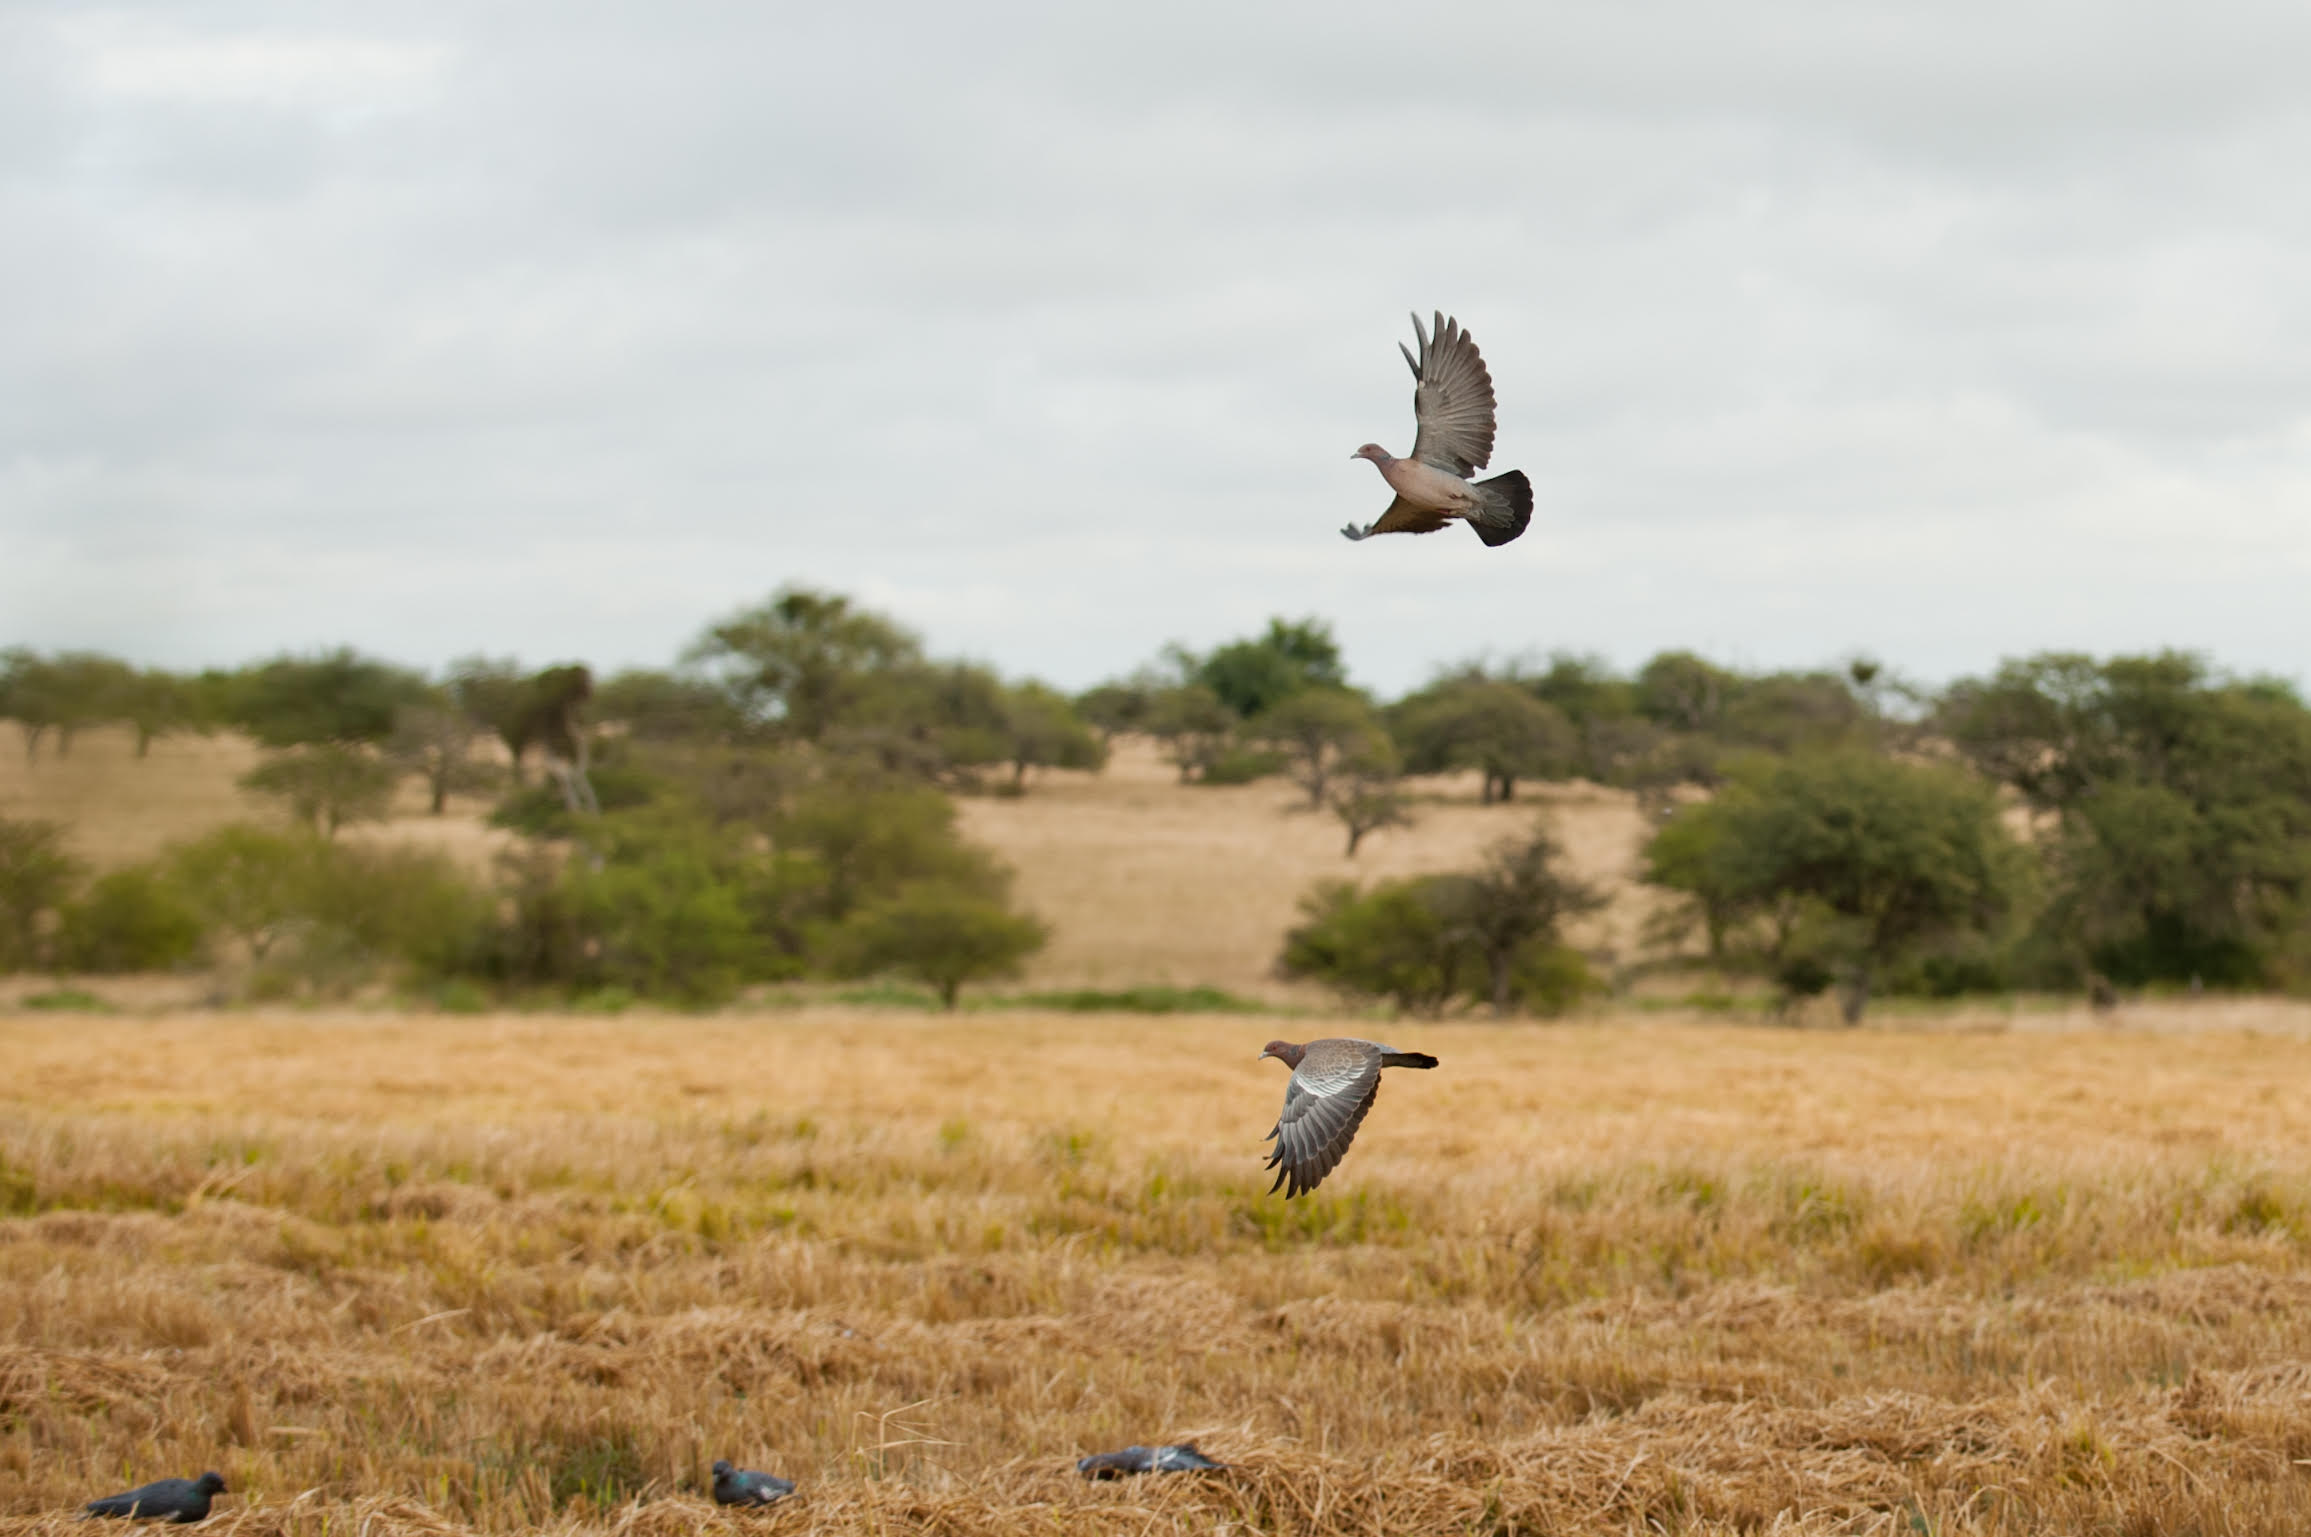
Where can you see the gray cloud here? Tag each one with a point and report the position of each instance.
(1939, 331)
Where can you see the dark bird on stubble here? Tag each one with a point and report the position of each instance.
(1183, 1458)
(179, 1500)
(744, 1486)
(1452, 403)
(1334, 1082)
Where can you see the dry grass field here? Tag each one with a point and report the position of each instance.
(400, 1274)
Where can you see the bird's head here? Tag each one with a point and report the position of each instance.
(1373, 452)
(721, 1470)
(1284, 1052)
(210, 1483)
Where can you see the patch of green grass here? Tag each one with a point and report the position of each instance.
(889, 995)
(1138, 1000)
(69, 1000)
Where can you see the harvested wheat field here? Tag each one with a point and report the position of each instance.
(395, 1274)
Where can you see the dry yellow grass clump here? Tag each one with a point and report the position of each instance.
(397, 1274)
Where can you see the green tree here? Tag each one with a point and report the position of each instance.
(36, 875)
(1252, 677)
(1401, 940)
(1043, 731)
(252, 883)
(802, 657)
(654, 706)
(436, 743)
(1515, 904)
(336, 697)
(1318, 729)
(870, 841)
(1367, 793)
(1118, 706)
(2181, 802)
(1193, 726)
(156, 703)
(495, 692)
(942, 936)
(1874, 856)
(1495, 727)
(131, 919)
(65, 694)
(1681, 692)
(327, 785)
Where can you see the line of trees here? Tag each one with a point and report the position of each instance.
(2062, 822)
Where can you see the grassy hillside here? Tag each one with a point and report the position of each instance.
(1144, 880)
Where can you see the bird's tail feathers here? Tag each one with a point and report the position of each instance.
(1506, 508)
(1408, 1059)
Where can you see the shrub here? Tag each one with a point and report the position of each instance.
(35, 874)
(129, 920)
(327, 785)
(941, 936)
(252, 883)
(1396, 941)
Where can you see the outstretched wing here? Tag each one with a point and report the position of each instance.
(1400, 518)
(1452, 399)
(1324, 1103)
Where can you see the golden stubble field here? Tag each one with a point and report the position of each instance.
(396, 1274)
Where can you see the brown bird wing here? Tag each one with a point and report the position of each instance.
(1452, 400)
(1329, 1094)
(1400, 518)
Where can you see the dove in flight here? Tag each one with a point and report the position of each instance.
(1334, 1082)
(1452, 405)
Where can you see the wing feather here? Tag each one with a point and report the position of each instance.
(1452, 400)
(1324, 1103)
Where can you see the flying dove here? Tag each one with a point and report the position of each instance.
(1183, 1458)
(1334, 1082)
(742, 1486)
(181, 1500)
(1452, 405)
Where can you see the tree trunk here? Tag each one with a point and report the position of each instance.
(31, 740)
(1355, 836)
(1508, 788)
(1855, 995)
(1499, 960)
(947, 991)
(440, 791)
(144, 736)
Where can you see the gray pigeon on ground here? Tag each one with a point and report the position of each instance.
(743, 1486)
(1183, 1458)
(1452, 405)
(1334, 1082)
(182, 1500)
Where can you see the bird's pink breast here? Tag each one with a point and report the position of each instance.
(1424, 485)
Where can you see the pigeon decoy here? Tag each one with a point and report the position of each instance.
(1183, 1458)
(181, 1500)
(1334, 1082)
(743, 1486)
(1452, 403)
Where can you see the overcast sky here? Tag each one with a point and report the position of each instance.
(1937, 331)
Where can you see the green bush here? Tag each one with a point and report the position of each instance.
(941, 936)
(1241, 766)
(327, 785)
(1554, 979)
(1396, 941)
(130, 920)
(35, 875)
